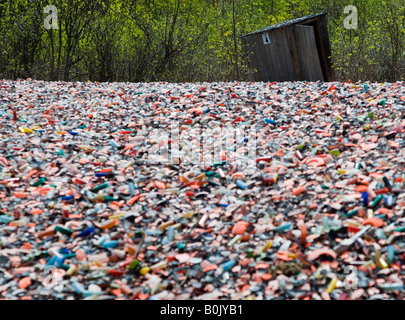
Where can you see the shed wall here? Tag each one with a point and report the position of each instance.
(272, 61)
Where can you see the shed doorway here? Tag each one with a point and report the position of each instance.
(308, 53)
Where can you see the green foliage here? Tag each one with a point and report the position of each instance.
(185, 40)
(374, 51)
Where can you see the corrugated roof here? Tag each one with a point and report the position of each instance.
(285, 24)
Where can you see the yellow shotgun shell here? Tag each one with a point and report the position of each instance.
(332, 285)
(71, 270)
(144, 270)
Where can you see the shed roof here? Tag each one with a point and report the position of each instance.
(285, 24)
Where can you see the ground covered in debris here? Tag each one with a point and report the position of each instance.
(202, 191)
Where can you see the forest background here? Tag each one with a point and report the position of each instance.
(185, 40)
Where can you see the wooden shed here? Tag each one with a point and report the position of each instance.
(293, 50)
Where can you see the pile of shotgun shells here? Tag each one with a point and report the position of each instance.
(197, 191)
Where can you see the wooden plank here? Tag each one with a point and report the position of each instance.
(285, 57)
(322, 32)
(272, 57)
(308, 53)
(295, 59)
(278, 58)
(259, 59)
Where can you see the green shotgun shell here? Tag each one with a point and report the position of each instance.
(377, 200)
(133, 264)
(113, 285)
(210, 174)
(353, 213)
(381, 216)
(221, 163)
(40, 182)
(63, 230)
(109, 199)
(64, 267)
(101, 187)
(181, 247)
(250, 253)
(335, 152)
(301, 147)
(401, 229)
